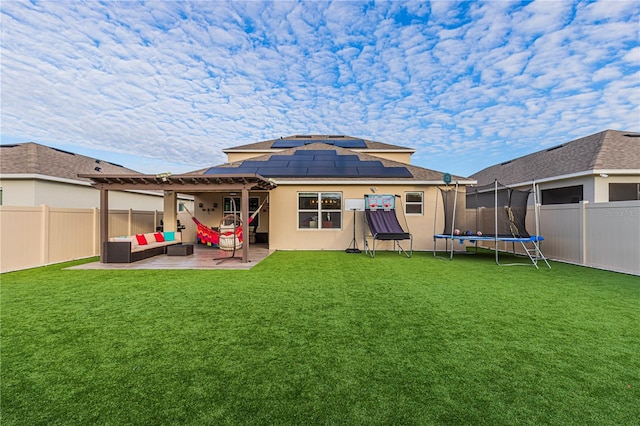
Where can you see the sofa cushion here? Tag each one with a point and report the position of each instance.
(142, 240)
(159, 237)
(130, 239)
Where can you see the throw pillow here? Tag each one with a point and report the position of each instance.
(159, 237)
(142, 240)
(169, 236)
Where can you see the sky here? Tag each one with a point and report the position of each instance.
(165, 86)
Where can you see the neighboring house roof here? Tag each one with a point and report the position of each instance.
(336, 140)
(608, 151)
(279, 166)
(32, 159)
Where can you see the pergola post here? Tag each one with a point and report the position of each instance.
(244, 203)
(170, 217)
(104, 223)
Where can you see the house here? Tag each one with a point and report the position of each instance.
(300, 186)
(315, 176)
(597, 168)
(32, 175)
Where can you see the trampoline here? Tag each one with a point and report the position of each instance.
(382, 222)
(498, 216)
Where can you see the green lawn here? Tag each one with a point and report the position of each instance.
(322, 338)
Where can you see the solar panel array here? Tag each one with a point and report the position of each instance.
(314, 163)
(342, 143)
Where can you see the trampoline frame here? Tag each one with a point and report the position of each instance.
(534, 253)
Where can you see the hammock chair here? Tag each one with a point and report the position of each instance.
(230, 225)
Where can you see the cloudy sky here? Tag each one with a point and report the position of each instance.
(165, 86)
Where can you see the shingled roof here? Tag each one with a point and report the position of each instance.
(370, 145)
(609, 150)
(34, 159)
(419, 174)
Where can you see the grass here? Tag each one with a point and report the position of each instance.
(322, 338)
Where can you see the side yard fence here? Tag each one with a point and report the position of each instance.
(600, 235)
(37, 236)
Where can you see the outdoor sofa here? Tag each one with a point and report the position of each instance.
(132, 248)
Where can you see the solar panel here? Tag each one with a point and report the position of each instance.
(367, 164)
(280, 172)
(325, 157)
(315, 163)
(342, 143)
(346, 171)
(287, 143)
(266, 163)
(316, 152)
(282, 158)
(351, 143)
(348, 158)
(230, 170)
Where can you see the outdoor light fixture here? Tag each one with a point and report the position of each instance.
(604, 175)
(163, 176)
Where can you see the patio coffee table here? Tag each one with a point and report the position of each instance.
(180, 250)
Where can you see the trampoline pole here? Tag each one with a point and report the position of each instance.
(453, 221)
(495, 218)
(435, 219)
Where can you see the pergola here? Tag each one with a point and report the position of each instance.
(171, 185)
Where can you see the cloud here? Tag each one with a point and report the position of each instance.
(180, 81)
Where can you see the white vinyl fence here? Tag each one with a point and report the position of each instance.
(37, 236)
(599, 235)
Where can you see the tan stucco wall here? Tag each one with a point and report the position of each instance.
(285, 235)
(211, 216)
(401, 157)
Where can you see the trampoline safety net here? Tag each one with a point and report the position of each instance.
(500, 211)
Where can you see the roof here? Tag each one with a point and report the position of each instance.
(181, 182)
(335, 140)
(416, 174)
(609, 150)
(34, 159)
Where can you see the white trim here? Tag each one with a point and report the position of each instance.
(413, 203)
(586, 173)
(36, 176)
(368, 182)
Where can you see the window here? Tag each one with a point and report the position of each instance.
(624, 191)
(319, 210)
(566, 195)
(413, 202)
(254, 203)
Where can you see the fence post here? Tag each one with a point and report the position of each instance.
(583, 232)
(96, 230)
(44, 252)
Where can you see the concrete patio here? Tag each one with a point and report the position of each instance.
(203, 257)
